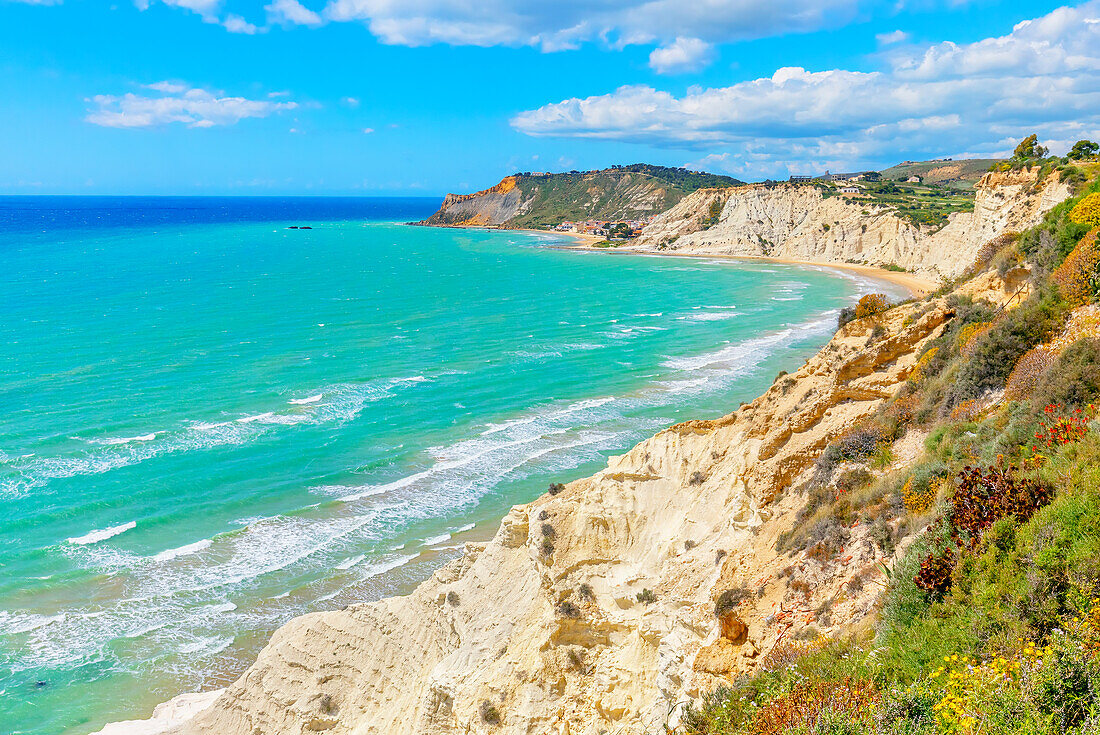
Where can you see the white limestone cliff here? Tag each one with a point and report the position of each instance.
(797, 222)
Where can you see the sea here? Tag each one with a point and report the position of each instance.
(217, 414)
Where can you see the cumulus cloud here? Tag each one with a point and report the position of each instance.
(681, 56)
(1044, 75)
(237, 24)
(568, 23)
(291, 12)
(176, 102)
(887, 39)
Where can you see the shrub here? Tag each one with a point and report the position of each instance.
(995, 353)
(1087, 211)
(567, 609)
(697, 478)
(968, 333)
(826, 707)
(934, 576)
(853, 479)
(858, 442)
(983, 497)
(488, 713)
(452, 598)
(1074, 378)
(555, 488)
(646, 596)
(1076, 277)
(729, 600)
(585, 593)
(990, 248)
(546, 547)
(1029, 369)
(920, 368)
(548, 531)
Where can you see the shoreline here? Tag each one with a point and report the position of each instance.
(917, 286)
(182, 707)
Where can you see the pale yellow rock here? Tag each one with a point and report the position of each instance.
(687, 514)
(796, 222)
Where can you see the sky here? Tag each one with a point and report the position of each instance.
(424, 97)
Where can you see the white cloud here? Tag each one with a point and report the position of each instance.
(208, 9)
(237, 24)
(178, 103)
(1043, 76)
(568, 23)
(681, 56)
(887, 39)
(291, 12)
(352, 102)
(368, 131)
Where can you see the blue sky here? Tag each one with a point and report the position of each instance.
(427, 96)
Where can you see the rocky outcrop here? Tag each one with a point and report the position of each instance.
(490, 207)
(603, 607)
(800, 223)
(542, 200)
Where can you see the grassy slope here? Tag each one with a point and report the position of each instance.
(961, 174)
(607, 194)
(1002, 634)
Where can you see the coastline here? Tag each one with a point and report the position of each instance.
(185, 706)
(917, 286)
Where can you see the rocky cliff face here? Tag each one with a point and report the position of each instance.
(549, 628)
(490, 207)
(797, 222)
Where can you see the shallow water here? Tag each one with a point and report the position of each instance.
(212, 423)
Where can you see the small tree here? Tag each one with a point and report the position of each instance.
(1029, 148)
(1084, 149)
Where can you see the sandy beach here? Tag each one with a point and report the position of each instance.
(916, 285)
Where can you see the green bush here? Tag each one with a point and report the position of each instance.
(1074, 378)
(994, 354)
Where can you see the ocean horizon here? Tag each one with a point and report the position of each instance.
(213, 423)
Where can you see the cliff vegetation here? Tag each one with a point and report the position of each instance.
(989, 622)
(539, 200)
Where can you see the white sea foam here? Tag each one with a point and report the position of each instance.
(389, 565)
(433, 540)
(349, 493)
(169, 554)
(467, 527)
(349, 563)
(346, 401)
(114, 441)
(94, 537)
(305, 401)
(708, 316)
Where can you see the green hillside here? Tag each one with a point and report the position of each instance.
(990, 622)
(538, 200)
(620, 192)
(960, 174)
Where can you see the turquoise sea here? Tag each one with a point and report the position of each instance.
(211, 423)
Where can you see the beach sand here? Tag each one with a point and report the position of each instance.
(916, 285)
